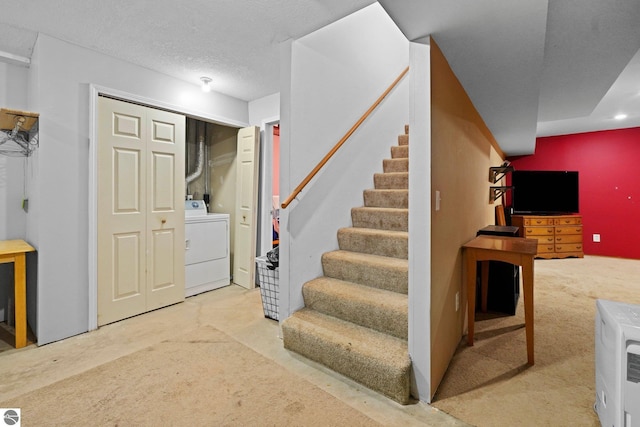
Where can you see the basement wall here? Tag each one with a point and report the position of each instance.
(58, 218)
(462, 150)
(607, 163)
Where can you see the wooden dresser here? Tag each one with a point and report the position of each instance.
(559, 236)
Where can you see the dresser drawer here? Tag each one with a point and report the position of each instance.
(543, 240)
(538, 231)
(568, 229)
(537, 221)
(568, 220)
(569, 247)
(568, 238)
(545, 248)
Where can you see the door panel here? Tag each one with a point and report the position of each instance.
(121, 218)
(163, 171)
(165, 208)
(127, 267)
(246, 205)
(163, 275)
(127, 181)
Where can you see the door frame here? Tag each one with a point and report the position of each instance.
(94, 92)
(265, 237)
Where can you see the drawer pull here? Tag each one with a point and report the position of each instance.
(559, 239)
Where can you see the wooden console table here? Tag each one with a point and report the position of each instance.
(14, 251)
(513, 250)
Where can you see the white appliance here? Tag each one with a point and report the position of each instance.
(206, 256)
(617, 364)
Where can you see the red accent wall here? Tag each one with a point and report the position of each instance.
(609, 176)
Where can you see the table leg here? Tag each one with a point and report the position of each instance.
(527, 287)
(471, 294)
(484, 284)
(20, 285)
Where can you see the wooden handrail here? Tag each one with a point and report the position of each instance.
(346, 136)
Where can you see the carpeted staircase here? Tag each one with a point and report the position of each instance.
(355, 318)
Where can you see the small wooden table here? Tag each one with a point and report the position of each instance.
(513, 250)
(14, 251)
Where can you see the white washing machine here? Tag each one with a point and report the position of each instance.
(207, 249)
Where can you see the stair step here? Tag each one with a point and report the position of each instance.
(377, 309)
(393, 244)
(392, 198)
(403, 139)
(382, 272)
(392, 180)
(380, 218)
(395, 165)
(399, 151)
(376, 360)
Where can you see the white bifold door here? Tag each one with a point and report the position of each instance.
(140, 209)
(246, 225)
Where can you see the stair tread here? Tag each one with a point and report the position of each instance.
(376, 271)
(395, 165)
(380, 209)
(392, 173)
(376, 360)
(361, 293)
(386, 197)
(387, 262)
(358, 338)
(361, 239)
(400, 152)
(391, 180)
(388, 190)
(374, 232)
(378, 309)
(383, 218)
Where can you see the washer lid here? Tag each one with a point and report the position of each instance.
(194, 208)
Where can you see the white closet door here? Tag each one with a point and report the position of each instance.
(246, 205)
(140, 209)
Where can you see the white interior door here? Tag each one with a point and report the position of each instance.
(140, 209)
(165, 208)
(245, 232)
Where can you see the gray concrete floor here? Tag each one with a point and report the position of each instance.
(233, 310)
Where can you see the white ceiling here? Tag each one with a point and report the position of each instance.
(535, 67)
(530, 66)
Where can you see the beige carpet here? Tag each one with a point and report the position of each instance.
(204, 378)
(490, 384)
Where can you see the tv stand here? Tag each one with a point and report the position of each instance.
(559, 236)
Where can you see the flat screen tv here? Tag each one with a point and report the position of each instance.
(544, 192)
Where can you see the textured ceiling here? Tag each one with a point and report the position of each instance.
(235, 42)
(531, 67)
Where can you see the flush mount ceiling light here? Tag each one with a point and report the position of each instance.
(205, 84)
(620, 116)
